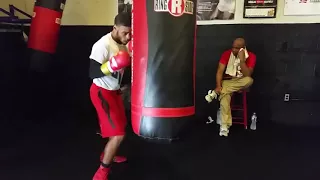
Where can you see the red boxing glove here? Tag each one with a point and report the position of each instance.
(119, 61)
(115, 63)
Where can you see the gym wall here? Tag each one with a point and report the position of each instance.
(13, 64)
(77, 12)
(89, 13)
(287, 50)
(83, 23)
(21, 4)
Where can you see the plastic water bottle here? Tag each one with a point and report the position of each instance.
(210, 120)
(253, 125)
(219, 117)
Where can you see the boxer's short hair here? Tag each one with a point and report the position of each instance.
(123, 19)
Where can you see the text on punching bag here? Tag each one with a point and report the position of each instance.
(174, 7)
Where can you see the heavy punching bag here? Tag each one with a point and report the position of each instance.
(163, 67)
(44, 32)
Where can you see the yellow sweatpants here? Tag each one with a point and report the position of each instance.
(228, 87)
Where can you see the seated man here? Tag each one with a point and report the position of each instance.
(237, 64)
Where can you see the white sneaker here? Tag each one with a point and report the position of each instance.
(224, 132)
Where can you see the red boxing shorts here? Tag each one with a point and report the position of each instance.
(110, 109)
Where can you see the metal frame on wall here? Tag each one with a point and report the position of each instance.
(260, 9)
(11, 16)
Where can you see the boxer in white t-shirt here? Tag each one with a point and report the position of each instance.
(109, 56)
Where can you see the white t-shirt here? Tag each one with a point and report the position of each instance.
(101, 52)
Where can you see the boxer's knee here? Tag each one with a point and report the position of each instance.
(117, 139)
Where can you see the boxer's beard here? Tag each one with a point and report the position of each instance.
(116, 38)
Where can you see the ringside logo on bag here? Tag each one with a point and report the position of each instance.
(174, 7)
